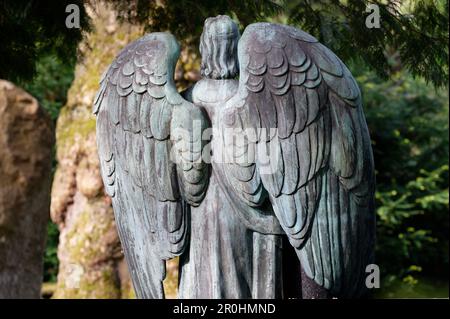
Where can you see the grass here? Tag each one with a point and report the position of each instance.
(424, 288)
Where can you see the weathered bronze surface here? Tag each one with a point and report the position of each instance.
(271, 143)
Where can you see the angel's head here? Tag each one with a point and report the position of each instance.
(218, 47)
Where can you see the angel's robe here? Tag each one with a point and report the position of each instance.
(235, 251)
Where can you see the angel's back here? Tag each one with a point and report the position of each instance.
(212, 94)
(298, 162)
(228, 257)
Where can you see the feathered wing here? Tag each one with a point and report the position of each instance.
(138, 110)
(319, 176)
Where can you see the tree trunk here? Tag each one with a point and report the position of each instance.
(89, 252)
(26, 142)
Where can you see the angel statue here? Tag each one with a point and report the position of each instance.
(260, 177)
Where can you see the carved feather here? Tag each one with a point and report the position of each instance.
(137, 109)
(322, 185)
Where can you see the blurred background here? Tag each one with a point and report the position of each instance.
(401, 67)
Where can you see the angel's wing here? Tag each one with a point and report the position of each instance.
(319, 175)
(138, 113)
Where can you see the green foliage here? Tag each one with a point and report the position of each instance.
(408, 121)
(416, 30)
(50, 256)
(51, 83)
(30, 29)
(185, 18)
